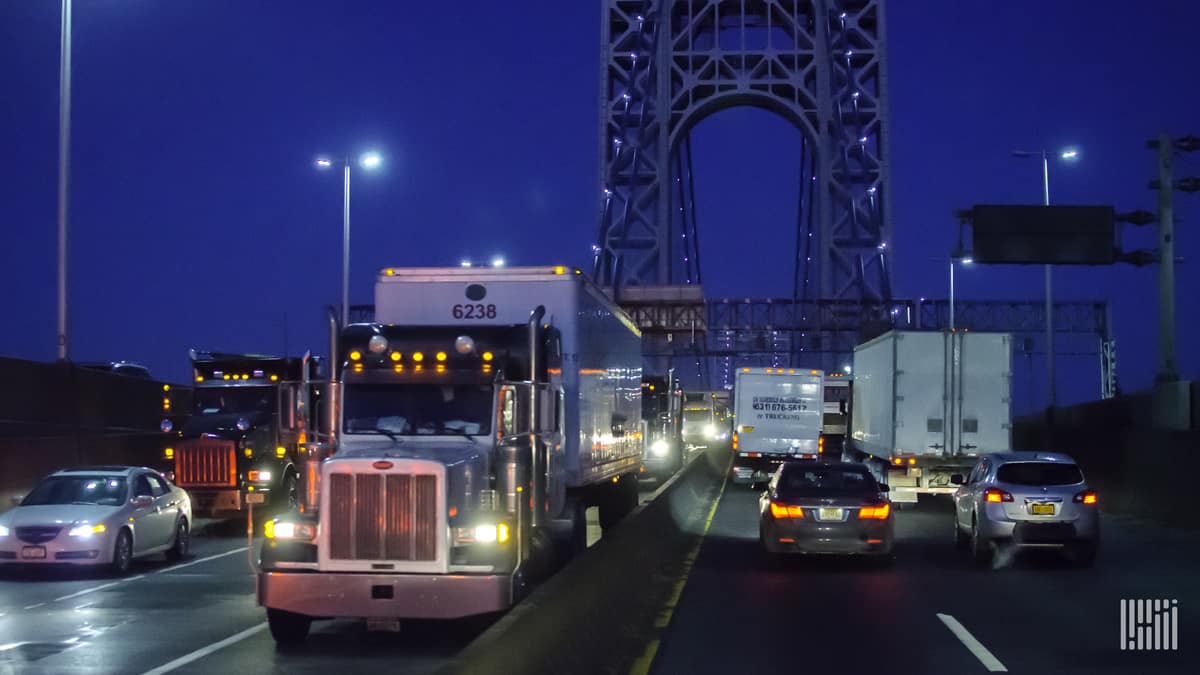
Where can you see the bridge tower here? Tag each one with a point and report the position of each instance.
(820, 64)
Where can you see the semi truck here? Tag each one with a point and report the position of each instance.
(926, 405)
(480, 413)
(662, 421)
(705, 421)
(777, 415)
(240, 442)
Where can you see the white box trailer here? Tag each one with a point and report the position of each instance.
(777, 415)
(481, 412)
(926, 405)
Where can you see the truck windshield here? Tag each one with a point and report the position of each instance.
(419, 409)
(234, 400)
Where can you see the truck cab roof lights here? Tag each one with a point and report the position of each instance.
(418, 357)
(396, 356)
(356, 355)
(378, 344)
(440, 356)
(464, 345)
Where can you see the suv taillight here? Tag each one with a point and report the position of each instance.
(996, 495)
(1085, 497)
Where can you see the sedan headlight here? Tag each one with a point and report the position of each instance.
(87, 530)
(659, 448)
(3, 531)
(275, 529)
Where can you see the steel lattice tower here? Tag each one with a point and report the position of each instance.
(668, 64)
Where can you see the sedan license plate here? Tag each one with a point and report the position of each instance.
(829, 514)
(33, 552)
(1041, 509)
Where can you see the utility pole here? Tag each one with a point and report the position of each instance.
(1166, 261)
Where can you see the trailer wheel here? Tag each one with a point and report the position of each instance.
(288, 628)
(576, 542)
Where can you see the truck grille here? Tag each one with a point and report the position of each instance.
(206, 463)
(382, 517)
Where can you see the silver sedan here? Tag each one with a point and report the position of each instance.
(99, 516)
(1028, 500)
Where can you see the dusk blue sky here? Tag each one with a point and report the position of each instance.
(198, 219)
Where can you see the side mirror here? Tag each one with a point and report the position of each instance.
(957, 479)
(143, 501)
(884, 487)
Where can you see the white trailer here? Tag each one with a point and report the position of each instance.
(777, 415)
(926, 405)
(480, 414)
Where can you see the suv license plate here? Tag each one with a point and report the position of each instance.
(829, 514)
(37, 552)
(1041, 509)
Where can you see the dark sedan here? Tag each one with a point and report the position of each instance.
(825, 507)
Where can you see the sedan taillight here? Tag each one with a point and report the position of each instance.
(880, 512)
(784, 511)
(996, 495)
(1085, 497)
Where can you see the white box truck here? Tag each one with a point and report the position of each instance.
(926, 405)
(479, 414)
(777, 416)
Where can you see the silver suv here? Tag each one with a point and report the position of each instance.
(1028, 499)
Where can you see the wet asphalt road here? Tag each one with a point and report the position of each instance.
(739, 613)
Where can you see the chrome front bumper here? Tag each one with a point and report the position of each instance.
(401, 596)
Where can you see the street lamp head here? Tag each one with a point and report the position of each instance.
(324, 162)
(464, 263)
(1069, 154)
(847, 369)
(498, 262)
(370, 160)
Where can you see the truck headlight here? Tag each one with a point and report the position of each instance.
(259, 476)
(482, 534)
(87, 530)
(710, 431)
(277, 529)
(660, 448)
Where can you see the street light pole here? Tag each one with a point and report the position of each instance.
(1050, 380)
(952, 295)
(346, 243)
(64, 171)
(368, 161)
